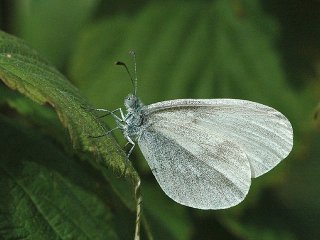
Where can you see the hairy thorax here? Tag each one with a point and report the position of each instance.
(133, 123)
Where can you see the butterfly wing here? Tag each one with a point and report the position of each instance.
(204, 152)
(264, 134)
(193, 171)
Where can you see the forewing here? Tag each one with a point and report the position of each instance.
(263, 133)
(193, 167)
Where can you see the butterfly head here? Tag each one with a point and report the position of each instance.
(132, 102)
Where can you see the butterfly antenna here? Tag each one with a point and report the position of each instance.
(132, 81)
(135, 72)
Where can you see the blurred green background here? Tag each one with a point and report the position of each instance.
(264, 51)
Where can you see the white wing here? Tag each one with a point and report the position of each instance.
(193, 170)
(204, 152)
(264, 134)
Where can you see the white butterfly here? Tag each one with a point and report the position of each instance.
(204, 152)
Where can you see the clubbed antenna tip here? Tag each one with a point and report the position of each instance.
(119, 63)
(132, 81)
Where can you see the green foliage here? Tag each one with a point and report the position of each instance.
(189, 49)
(46, 194)
(23, 70)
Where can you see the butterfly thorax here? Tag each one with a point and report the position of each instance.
(134, 117)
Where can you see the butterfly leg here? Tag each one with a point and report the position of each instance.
(121, 118)
(124, 147)
(107, 133)
(118, 119)
(129, 153)
(132, 147)
(108, 112)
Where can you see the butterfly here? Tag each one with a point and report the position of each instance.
(204, 152)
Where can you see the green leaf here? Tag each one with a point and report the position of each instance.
(48, 195)
(22, 69)
(43, 117)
